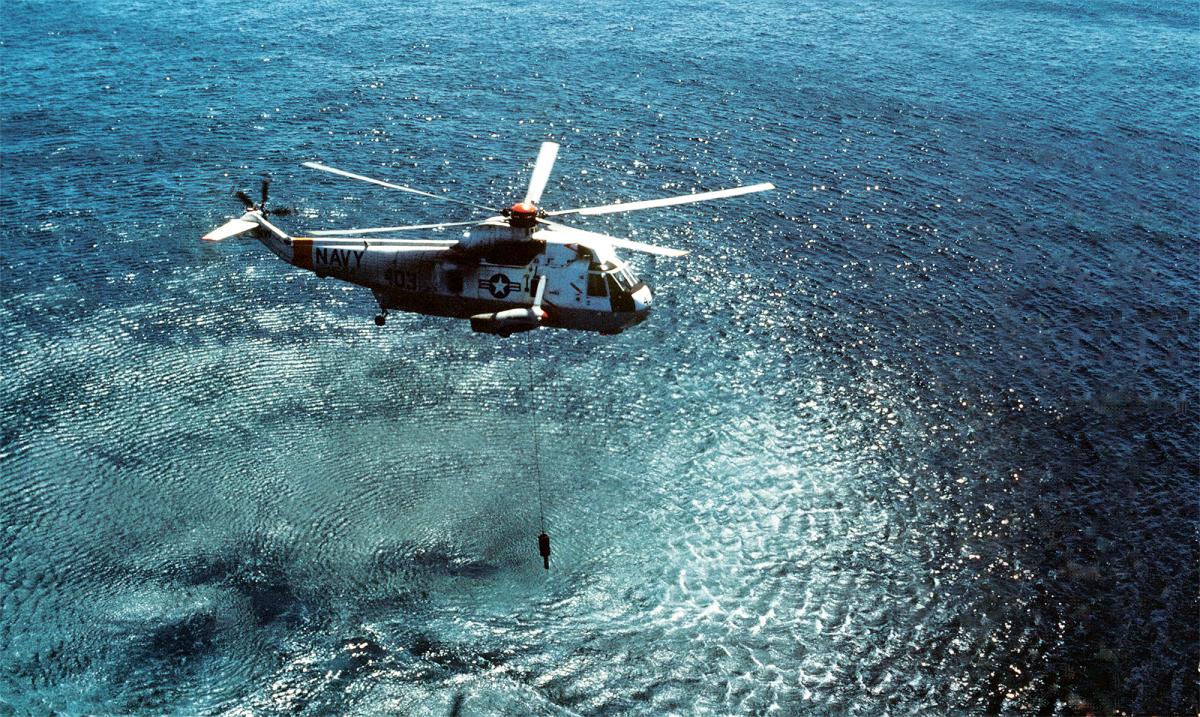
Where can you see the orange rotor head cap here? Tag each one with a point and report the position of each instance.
(523, 215)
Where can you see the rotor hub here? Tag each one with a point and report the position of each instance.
(523, 215)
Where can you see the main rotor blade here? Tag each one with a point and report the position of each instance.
(646, 248)
(666, 202)
(541, 172)
(380, 230)
(389, 185)
(561, 233)
(386, 241)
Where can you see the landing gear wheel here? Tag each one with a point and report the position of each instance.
(380, 319)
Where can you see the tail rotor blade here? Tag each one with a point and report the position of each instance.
(244, 199)
(541, 172)
(266, 184)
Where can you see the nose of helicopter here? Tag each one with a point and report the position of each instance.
(642, 298)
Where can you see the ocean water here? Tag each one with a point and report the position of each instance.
(916, 433)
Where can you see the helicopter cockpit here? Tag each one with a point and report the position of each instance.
(616, 282)
(609, 280)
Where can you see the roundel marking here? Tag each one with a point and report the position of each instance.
(499, 286)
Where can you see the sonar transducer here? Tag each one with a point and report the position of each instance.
(544, 549)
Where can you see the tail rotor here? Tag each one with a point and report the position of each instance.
(264, 189)
(254, 218)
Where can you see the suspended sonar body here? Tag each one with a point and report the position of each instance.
(544, 549)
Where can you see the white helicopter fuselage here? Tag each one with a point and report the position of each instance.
(492, 270)
(515, 272)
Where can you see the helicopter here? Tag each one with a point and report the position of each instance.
(516, 270)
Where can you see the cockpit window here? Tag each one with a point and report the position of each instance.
(624, 279)
(596, 285)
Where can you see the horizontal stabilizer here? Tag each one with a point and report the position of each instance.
(233, 227)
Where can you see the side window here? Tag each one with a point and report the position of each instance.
(596, 285)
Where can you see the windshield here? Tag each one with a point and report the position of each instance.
(623, 278)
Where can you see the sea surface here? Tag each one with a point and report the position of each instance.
(914, 434)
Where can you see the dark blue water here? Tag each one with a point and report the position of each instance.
(914, 434)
